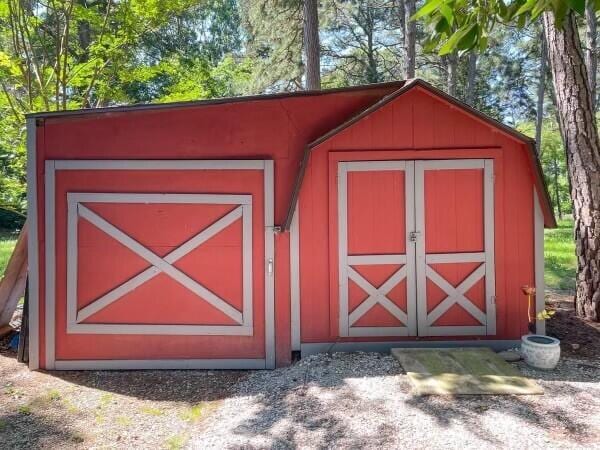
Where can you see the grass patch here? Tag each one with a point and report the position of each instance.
(7, 244)
(24, 409)
(193, 413)
(152, 411)
(54, 395)
(176, 442)
(559, 252)
(124, 421)
(105, 400)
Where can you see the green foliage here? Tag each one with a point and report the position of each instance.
(465, 24)
(559, 254)
(554, 164)
(77, 54)
(274, 43)
(361, 42)
(7, 245)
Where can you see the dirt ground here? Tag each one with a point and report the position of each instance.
(579, 338)
(353, 400)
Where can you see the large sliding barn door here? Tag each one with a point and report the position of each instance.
(159, 264)
(416, 248)
(376, 257)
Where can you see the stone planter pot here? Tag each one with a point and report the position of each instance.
(541, 352)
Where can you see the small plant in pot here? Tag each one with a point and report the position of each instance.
(539, 351)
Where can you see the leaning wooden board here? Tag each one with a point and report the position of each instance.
(462, 371)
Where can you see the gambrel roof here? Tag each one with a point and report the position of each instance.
(530, 144)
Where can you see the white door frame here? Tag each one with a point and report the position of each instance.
(455, 295)
(77, 210)
(346, 272)
(245, 327)
(418, 320)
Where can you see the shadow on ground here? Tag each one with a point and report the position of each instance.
(185, 386)
(324, 399)
(29, 431)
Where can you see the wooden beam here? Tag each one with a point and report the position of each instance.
(12, 284)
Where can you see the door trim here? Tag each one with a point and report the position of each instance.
(52, 166)
(345, 261)
(486, 269)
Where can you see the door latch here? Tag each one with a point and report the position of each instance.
(413, 236)
(270, 266)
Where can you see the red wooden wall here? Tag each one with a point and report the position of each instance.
(416, 125)
(275, 129)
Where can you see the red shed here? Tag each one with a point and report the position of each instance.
(229, 233)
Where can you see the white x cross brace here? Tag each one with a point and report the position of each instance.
(377, 295)
(456, 295)
(160, 264)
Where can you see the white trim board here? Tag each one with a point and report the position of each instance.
(75, 200)
(540, 284)
(76, 211)
(416, 262)
(385, 346)
(160, 164)
(295, 278)
(32, 248)
(376, 295)
(159, 364)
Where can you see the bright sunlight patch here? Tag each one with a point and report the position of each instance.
(469, 371)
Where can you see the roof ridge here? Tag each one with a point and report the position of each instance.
(213, 101)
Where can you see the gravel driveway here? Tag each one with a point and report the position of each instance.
(363, 400)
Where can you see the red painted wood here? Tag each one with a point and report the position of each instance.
(454, 223)
(454, 211)
(451, 134)
(417, 125)
(216, 264)
(376, 215)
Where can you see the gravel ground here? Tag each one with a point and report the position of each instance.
(136, 409)
(360, 400)
(363, 400)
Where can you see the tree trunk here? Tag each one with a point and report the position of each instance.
(591, 61)
(369, 27)
(539, 116)
(402, 21)
(451, 68)
(410, 33)
(580, 137)
(557, 190)
(311, 45)
(471, 76)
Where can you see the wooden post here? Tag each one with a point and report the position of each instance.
(12, 285)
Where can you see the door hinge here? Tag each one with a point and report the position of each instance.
(493, 299)
(270, 266)
(276, 229)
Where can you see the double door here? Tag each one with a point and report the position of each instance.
(416, 248)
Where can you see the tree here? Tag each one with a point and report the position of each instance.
(591, 60)
(362, 41)
(66, 54)
(451, 60)
(274, 42)
(541, 89)
(553, 159)
(312, 51)
(471, 75)
(465, 24)
(410, 33)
